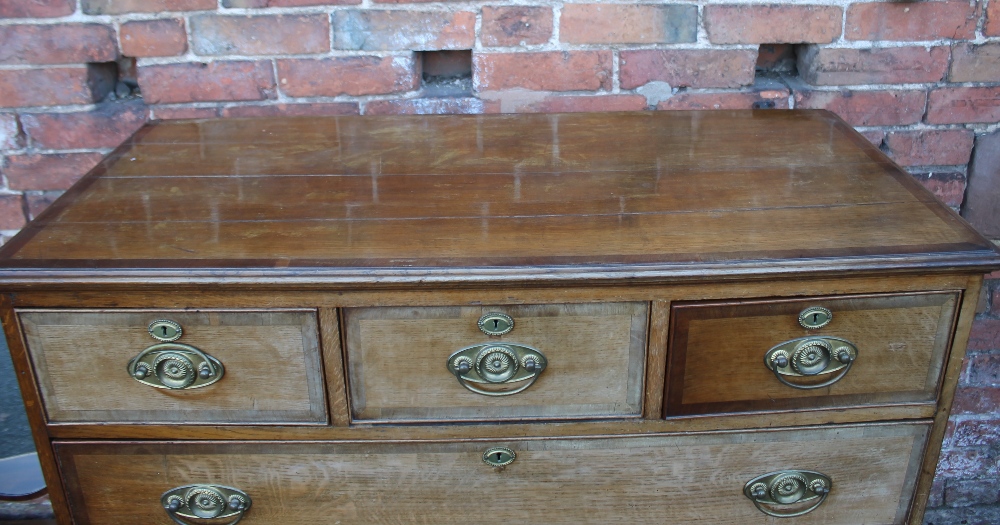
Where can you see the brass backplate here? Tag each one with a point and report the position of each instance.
(786, 487)
(205, 501)
(507, 367)
(795, 348)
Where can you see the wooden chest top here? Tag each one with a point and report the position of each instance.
(349, 200)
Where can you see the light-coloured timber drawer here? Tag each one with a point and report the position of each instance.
(833, 351)
(220, 366)
(556, 361)
(694, 479)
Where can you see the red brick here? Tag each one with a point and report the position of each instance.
(364, 30)
(973, 400)
(893, 65)
(947, 186)
(260, 35)
(688, 67)
(628, 24)
(432, 106)
(11, 212)
(212, 82)
(331, 77)
(183, 113)
(930, 147)
(985, 335)
(992, 25)
(516, 25)
(545, 71)
(960, 105)
(292, 110)
(36, 8)
(876, 137)
(10, 132)
(911, 20)
(114, 7)
(105, 127)
(44, 87)
(57, 44)
(721, 100)
(48, 172)
(283, 3)
(37, 202)
(154, 38)
(772, 24)
(867, 108)
(975, 63)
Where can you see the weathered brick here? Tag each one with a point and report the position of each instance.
(365, 75)
(38, 201)
(688, 67)
(985, 336)
(992, 25)
(969, 463)
(10, 132)
(545, 71)
(867, 108)
(57, 44)
(975, 515)
(516, 25)
(518, 101)
(403, 30)
(183, 112)
(995, 300)
(892, 65)
(11, 212)
(212, 82)
(976, 400)
(911, 20)
(36, 8)
(875, 136)
(982, 207)
(115, 7)
(947, 186)
(628, 24)
(936, 496)
(930, 147)
(260, 35)
(432, 106)
(984, 369)
(154, 38)
(967, 492)
(975, 63)
(44, 87)
(723, 100)
(772, 24)
(48, 172)
(283, 3)
(292, 110)
(960, 105)
(105, 127)
(977, 433)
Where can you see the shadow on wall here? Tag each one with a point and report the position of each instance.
(15, 435)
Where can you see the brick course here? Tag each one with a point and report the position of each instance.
(774, 24)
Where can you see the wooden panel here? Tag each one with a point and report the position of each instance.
(397, 358)
(717, 350)
(271, 358)
(637, 480)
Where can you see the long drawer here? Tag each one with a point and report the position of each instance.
(626, 480)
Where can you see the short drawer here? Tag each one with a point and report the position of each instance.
(398, 362)
(270, 365)
(623, 480)
(895, 346)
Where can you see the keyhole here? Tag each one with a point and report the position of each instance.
(164, 330)
(496, 324)
(815, 318)
(498, 456)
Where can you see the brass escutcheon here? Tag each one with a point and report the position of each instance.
(165, 330)
(815, 317)
(499, 456)
(495, 323)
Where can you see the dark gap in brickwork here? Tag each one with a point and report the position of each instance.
(446, 73)
(110, 81)
(776, 63)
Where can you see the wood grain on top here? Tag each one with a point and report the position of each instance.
(531, 197)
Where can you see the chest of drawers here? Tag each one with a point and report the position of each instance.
(544, 319)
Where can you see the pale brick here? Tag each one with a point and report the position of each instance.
(722, 100)
(291, 110)
(183, 112)
(10, 132)
(688, 67)
(628, 24)
(544, 71)
(893, 65)
(403, 30)
(982, 207)
(57, 44)
(330, 77)
(911, 20)
(115, 7)
(772, 24)
(260, 35)
(432, 106)
(212, 82)
(283, 3)
(975, 63)
(516, 25)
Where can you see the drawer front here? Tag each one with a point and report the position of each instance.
(718, 351)
(398, 357)
(271, 370)
(626, 480)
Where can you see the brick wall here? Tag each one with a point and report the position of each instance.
(920, 79)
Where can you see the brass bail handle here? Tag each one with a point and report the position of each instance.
(172, 365)
(205, 502)
(773, 490)
(811, 356)
(497, 364)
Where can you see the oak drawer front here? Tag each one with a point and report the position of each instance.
(625, 480)
(718, 352)
(398, 361)
(270, 365)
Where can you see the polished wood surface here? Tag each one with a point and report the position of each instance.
(470, 198)
(271, 360)
(717, 352)
(628, 480)
(595, 354)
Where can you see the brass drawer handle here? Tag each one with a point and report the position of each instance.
(175, 366)
(811, 356)
(497, 364)
(203, 502)
(788, 487)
